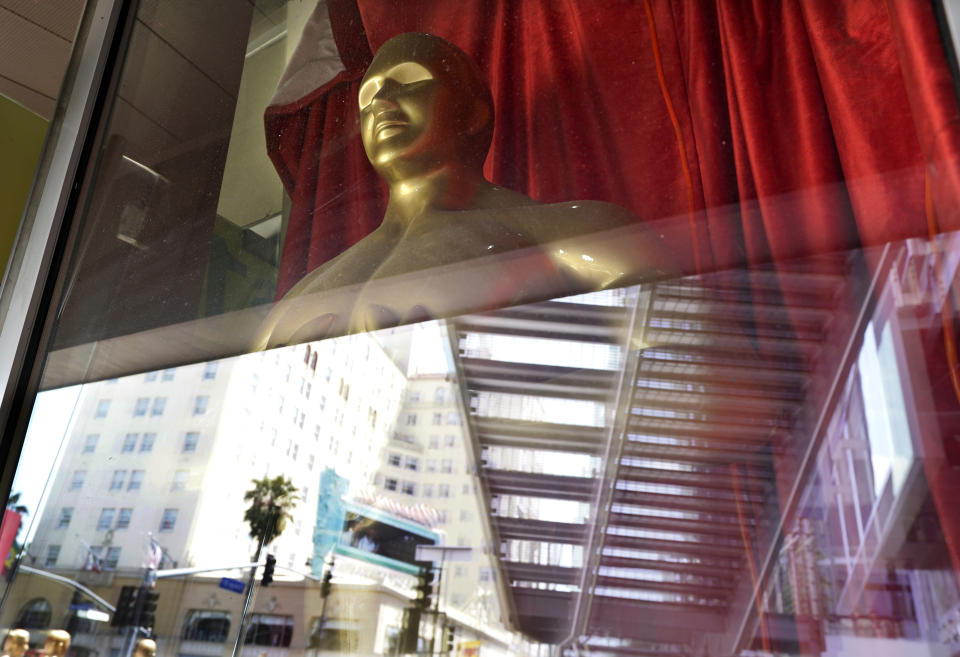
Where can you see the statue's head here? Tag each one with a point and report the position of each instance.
(16, 643)
(57, 643)
(145, 648)
(424, 105)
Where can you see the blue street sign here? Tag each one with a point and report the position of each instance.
(74, 606)
(234, 585)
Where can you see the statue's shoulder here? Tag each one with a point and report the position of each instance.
(552, 221)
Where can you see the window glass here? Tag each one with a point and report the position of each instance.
(66, 515)
(668, 291)
(203, 625)
(106, 519)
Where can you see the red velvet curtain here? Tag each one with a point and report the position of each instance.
(770, 128)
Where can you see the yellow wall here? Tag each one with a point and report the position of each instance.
(21, 139)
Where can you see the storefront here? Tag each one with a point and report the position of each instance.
(364, 327)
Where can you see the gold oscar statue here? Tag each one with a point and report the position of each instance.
(16, 643)
(57, 643)
(145, 648)
(426, 120)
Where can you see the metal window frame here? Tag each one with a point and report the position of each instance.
(34, 278)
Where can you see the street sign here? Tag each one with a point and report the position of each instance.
(75, 606)
(234, 585)
(443, 553)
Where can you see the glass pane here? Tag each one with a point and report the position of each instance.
(699, 399)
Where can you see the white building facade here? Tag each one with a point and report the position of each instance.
(169, 454)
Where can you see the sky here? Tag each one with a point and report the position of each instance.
(49, 425)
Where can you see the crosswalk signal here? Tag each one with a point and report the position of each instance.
(268, 567)
(424, 587)
(148, 607)
(126, 607)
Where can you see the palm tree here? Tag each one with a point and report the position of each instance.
(271, 501)
(13, 503)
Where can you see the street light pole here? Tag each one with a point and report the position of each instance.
(251, 582)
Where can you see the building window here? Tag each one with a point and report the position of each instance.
(310, 460)
(136, 480)
(179, 480)
(103, 407)
(141, 406)
(485, 575)
(77, 482)
(307, 390)
(129, 443)
(270, 630)
(438, 418)
(123, 519)
(453, 417)
(106, 519)
(390, 483)
(119, 476)
(428, 490)
(434, 442)
(465, 490)
(210, 371)
(35, 615)
(66, 515)
(90, 443)
(443, 490)
(439, 395)
(412, 463)
(411, 419)
(146, 445)
(459, 571)
(168, 374)
(409, 488)
(449, 440)
(200, 404)
(203, 625)
(150, 377)
(413, 396)
(112, 559)
(431, 465)
(464, 515)
(394, 460)
(446, 465)
(190, 441)
(159, 404)
(441, 517)
(169, 520)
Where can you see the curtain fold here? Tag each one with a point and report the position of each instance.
(781, 128)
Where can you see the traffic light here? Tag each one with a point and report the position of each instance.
(449, 636)
(424, 587)
(268, 567)
(325, 586)
(126, 607)
(148, 607)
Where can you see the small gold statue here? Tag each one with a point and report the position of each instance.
(145, 648)
(57, 643)
(16, 643)
(426, 120)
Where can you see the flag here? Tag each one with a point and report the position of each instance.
(94, 561)
(8, 535)
(156, 555)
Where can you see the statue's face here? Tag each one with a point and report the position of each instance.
(412, 109)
